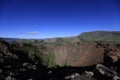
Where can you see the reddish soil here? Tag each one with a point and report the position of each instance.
(84, 54)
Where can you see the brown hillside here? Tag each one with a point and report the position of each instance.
(84, 54)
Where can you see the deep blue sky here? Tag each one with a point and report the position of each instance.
(57, 18)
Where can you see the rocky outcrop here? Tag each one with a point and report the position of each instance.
(15, 64)
(108, 72)
(103, 71)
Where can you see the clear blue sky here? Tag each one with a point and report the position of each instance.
(57, 18)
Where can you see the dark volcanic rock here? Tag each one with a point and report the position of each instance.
(16, 64)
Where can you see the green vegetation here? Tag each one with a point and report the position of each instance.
(113, 36)
(48, 60)
(30, 50)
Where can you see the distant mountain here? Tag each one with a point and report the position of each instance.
(101, 36)
(10, 39)
(20, 39)
(85, 36)
(62, 40)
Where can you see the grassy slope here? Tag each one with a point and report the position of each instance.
(101, 36)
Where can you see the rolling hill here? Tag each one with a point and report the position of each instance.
(113, 36)
(101, 36)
